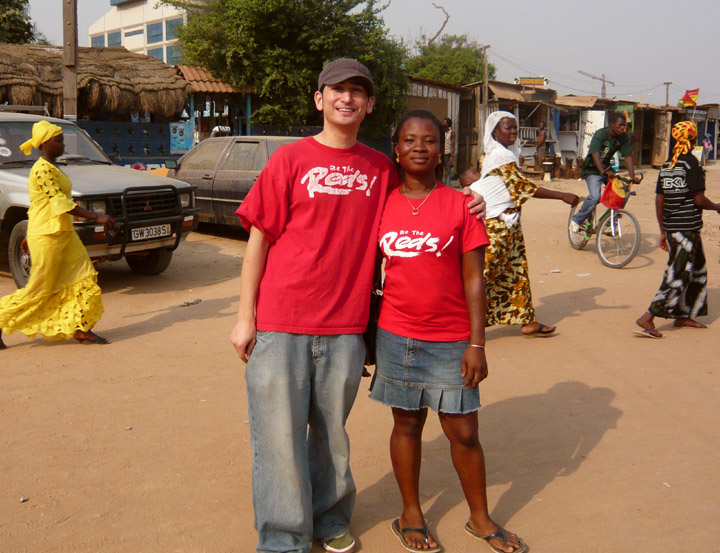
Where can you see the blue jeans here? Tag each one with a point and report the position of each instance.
(300, 392)
(595, 185)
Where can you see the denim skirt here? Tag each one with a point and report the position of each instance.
(414, 374)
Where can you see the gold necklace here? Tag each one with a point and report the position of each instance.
(416, 210)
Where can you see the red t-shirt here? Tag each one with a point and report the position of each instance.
(320, 208)
(423, 295)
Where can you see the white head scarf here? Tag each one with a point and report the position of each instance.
(497, 155)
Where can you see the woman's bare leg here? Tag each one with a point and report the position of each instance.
(469, 461)
(405, 453)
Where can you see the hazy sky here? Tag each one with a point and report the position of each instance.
(635, 43)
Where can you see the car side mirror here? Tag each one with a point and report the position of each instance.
(171, 164)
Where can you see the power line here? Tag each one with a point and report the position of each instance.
(509, 59)
(555, 82)
(524, 69)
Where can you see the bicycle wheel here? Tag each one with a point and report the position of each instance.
(618, 238)
(577, 240)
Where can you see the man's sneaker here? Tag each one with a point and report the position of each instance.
(343, 543)
(574, 227)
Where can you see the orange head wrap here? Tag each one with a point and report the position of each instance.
(683, 133)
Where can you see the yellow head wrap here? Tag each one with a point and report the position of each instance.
(683, 133)
(42, 132)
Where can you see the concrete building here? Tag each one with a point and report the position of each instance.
(140, 27)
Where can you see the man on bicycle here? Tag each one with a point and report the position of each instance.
(596, 169)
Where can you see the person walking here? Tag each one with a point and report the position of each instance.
(679, 202)
(540, 144)
(61, 299)
(431, 335)
(449, 150)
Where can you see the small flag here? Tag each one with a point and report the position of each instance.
(690, 98)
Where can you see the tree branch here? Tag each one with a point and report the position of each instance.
(447, 17)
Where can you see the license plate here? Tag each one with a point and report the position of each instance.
(145, 233)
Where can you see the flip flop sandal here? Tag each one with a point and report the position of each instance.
(648, 333)
(543, 331)
(500, 533)
(400, 534)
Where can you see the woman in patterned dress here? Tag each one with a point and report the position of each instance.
(507, 278)
(61, 299)
(679, 203)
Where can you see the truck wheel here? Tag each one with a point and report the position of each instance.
(152, 262)
(19, 255)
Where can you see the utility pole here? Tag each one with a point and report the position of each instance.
(70, 58)
(481, 126)
(667, 93)
(603, 93)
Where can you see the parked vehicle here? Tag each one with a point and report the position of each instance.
(153, 214)
(223, 170)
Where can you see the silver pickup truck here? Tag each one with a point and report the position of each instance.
(153, 213)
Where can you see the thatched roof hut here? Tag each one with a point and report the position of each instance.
(109, 79)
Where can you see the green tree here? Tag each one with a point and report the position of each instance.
(451, 59)
(16, 27)
(280, 47)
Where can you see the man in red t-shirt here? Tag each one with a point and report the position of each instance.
(313, 216)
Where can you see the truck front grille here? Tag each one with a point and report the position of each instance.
(146, 205)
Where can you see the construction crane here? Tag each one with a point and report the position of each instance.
(603, 79)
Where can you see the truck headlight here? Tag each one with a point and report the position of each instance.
(186, 199)
(98, 206)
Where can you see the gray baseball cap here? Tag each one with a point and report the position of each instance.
(345, 68)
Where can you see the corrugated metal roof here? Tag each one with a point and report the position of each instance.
(201, 80)
(576, 101)
(506, 91)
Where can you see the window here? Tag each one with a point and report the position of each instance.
(76, 141)
(154, 33)
(245, 156)
(171, 27)
(134, 33)
(273, 145)
(115, 39)
(156, 53)
(204, 156)
(97, 41)
(172, 54)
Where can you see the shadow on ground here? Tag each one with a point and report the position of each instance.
(529, 441)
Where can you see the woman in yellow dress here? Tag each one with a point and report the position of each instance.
(61, 299)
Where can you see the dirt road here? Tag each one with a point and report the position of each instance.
(596, 440)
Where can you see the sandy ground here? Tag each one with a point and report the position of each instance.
(596, 440)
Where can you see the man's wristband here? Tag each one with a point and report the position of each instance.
(476, 346)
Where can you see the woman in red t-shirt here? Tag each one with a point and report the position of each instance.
(431, 336)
